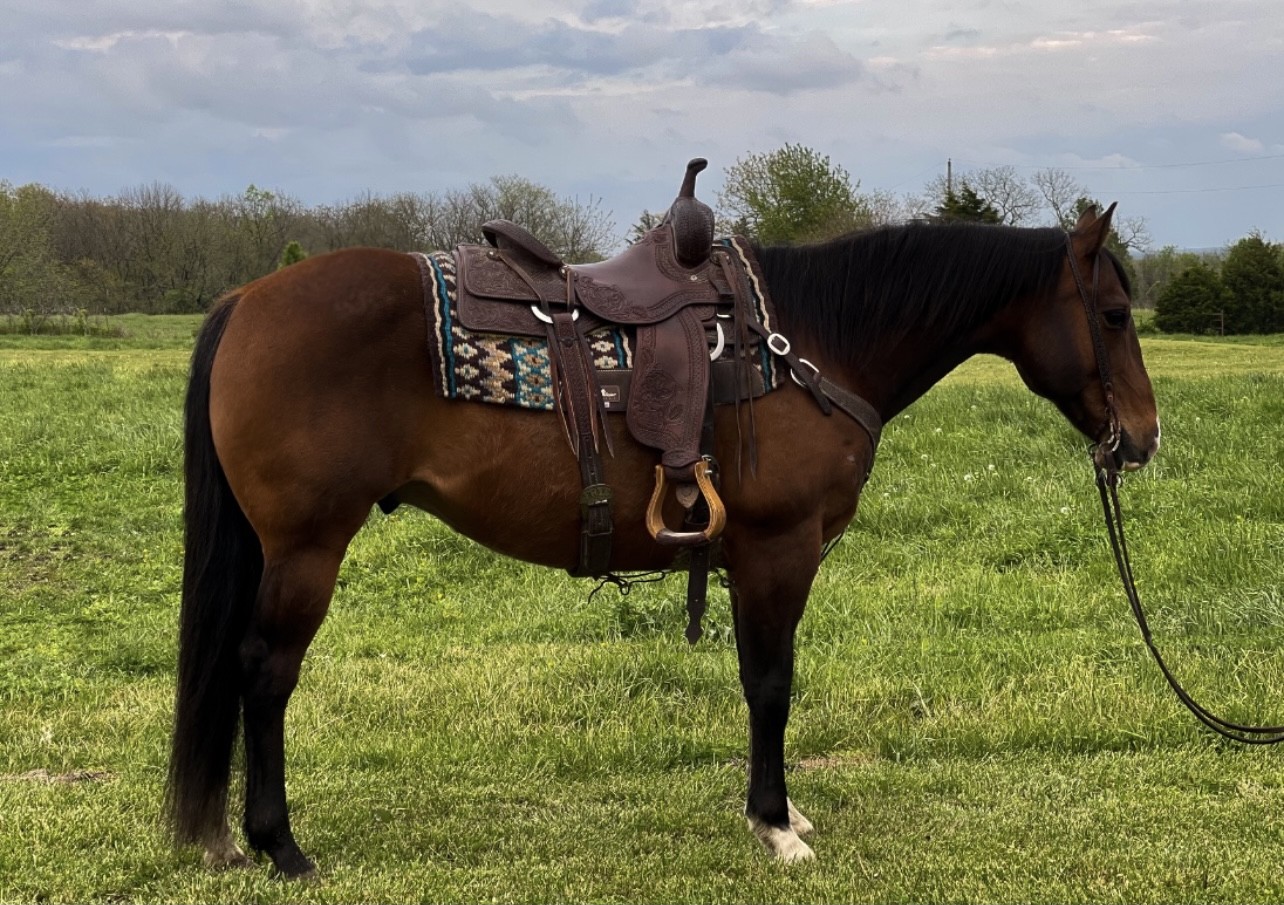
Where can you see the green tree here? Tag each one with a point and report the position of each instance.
(1254, 279)
(1194, 301)
(966, 204)
(292, 254)
(31, 277)
(793, 194)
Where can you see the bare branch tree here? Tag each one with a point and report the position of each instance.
(1059, 191)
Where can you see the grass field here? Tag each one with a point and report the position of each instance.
(975, 717)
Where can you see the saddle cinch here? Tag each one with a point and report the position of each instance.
(675, 295)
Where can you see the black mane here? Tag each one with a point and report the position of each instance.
(875, 286)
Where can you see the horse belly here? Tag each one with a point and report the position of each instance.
(508, 479)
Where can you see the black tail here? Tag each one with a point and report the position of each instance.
(223, 563)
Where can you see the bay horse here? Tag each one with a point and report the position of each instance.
(310, 399)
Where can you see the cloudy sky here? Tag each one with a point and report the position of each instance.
(1174, 108)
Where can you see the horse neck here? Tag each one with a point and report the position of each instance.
(895, 373)
(891, 372)
(945, 300)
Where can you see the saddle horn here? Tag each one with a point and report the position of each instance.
(691, 219)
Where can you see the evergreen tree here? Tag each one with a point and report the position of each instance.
(1194, 301)
(1254, 279)
(966, 204)
(648, 221)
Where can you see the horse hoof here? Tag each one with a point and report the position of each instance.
(295, 866)
(238, 861)
(310, 876)
(782, 842)
(226, 855)
(797, 822)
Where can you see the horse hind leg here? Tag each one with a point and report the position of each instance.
(222, 852)
(292, 601)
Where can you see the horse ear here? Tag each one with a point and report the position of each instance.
(1091, 230)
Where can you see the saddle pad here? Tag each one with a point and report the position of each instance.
(494, 368)
(515, 370)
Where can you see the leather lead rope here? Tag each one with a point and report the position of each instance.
(1108, 486)
(1103, 456)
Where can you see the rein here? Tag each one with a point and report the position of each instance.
(1103, 457)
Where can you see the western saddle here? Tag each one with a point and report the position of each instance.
(678, 295)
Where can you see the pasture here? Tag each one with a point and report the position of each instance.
(976, 718)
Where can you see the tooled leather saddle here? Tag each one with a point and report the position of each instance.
(676, 293)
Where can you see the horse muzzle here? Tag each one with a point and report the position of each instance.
(1124, 453)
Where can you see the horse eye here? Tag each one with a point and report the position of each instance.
(1116, 318)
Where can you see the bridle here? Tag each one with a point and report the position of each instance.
(1104, 459)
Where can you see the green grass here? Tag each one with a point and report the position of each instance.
(975, 717)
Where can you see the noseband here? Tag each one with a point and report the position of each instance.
(1103, 454)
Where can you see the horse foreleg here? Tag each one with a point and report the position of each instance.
(771, 582)
(292, 601)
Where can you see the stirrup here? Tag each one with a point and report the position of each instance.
(717, 512)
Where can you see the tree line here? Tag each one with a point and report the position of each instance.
(151, 249)
(1241, 291)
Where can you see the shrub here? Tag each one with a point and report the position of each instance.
(1195, 301)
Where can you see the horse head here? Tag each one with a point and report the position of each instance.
(1080, 351)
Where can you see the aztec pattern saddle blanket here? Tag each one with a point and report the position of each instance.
(513, 370)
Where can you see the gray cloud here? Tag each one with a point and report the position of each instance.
(328, 98)
(479, 41)
(786, 67)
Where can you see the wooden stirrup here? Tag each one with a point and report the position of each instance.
(717, 512)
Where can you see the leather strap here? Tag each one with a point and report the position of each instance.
(577, 391)
(670, 376)
(826, 393)
(697, 517)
